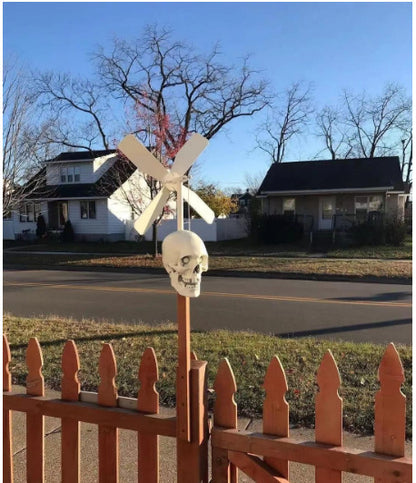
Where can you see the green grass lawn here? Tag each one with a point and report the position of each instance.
(249, 354)
(242, 247)
(356, 269)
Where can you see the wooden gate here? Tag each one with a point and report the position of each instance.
(265, 456)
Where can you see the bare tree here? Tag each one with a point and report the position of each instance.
(289, 119)
(79, 108)
(253, 181)
(166, 78)
(24, 149)
(377, 122)
(163, 88)
(331, 127)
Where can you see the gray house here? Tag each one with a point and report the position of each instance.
(333, 194)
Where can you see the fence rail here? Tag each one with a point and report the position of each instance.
(262, 456)
(265, 456)
(105, 409)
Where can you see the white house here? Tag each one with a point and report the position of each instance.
(92, 189)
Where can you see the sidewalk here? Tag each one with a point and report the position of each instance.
(128, 451)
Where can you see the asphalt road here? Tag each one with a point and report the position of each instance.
(361, 312)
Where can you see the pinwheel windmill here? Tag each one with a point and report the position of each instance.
(171, 179)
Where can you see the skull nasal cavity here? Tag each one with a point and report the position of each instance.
(197, 269)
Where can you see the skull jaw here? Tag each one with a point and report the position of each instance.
(184, 286)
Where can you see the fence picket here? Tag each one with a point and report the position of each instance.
(225, 415)
(34, 422)
(148, 402)
(390, 407)
(276, 411)
(7, 417)
(70, 389)
(328, 414)
(107, 436)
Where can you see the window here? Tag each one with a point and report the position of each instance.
(63, 175)
(288, 206)
(327, 208)
(367, 204)
(29, 212)
(88, 210)
(70, 174)
(77, 174)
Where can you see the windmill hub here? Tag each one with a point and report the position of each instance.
(172, 180)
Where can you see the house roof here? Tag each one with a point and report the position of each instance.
(340, 174)
(78, 155)
(112, 179)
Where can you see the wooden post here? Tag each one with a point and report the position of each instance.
(193, 455)
(34, 422)
(183, 370)
(390, 407)
(7, 417)
(70, 448)
(225, 416)
(328, 414)
(107, 436)
(276, 411)
(148, 402)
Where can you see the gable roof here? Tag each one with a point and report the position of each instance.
(111, 180)
(78, 155)
(339, 174)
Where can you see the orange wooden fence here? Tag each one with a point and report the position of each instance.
(262, 456)
(109, 412)
(265, 456)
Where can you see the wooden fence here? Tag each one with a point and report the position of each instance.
(262, 456)
(109, 412)
(265, 456)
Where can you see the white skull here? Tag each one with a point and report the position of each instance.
(185, 257)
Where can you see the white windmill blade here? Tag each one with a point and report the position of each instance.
(131, 147)
(154, 209)
(198, 205)
(188, 153)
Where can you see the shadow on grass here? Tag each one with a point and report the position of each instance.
(98, 337)
(345, 328)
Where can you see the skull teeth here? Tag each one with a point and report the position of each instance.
(187, 282)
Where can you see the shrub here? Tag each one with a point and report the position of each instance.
(276, 229)
(68, 233)
(395, 231)
(40, 227)
(389, 232)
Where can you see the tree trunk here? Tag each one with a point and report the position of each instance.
(154, 238)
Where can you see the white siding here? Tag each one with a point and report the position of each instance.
(118, 214)
(100, 165)
(97, 226)
(134, 192)
(19, 226)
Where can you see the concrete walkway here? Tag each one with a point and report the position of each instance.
(128, 451)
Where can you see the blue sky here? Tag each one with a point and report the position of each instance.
(335, 46)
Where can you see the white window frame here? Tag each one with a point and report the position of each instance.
(368, 203)
(87, 206)
(70, 174)
(289, 212)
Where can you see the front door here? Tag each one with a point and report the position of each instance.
(62, 213)
(326, 212)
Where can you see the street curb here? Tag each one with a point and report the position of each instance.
(222, 273)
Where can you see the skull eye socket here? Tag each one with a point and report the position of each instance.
(185, 260)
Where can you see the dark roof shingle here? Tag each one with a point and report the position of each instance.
(357, 173)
